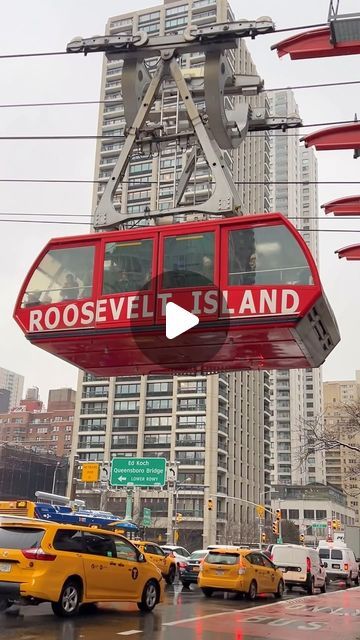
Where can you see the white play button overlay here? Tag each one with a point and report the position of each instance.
(178, 320)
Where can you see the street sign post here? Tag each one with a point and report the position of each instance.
(139, 472)
(147, 517)
(90, 472)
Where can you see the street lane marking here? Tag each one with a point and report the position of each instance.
(128, 633)
(254, 608)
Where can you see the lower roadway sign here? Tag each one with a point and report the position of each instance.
(139, 472)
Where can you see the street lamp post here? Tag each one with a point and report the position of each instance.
(54, 477)
(174, 528)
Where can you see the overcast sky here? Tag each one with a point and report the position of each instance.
(46, 25)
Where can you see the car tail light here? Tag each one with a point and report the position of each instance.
(346, 566)
(271, 557)
(38, 554)
(242, 568)
(308, 565)
(182, 565)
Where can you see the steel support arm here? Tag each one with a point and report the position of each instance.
(191, 39)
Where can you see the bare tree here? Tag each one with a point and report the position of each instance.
(320, 434)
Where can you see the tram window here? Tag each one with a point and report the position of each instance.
(127, 266)
(189, 261)
(63, 274)
(266, 255)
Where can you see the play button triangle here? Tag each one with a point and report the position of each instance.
(178, 320)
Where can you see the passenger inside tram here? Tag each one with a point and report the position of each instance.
(127, 266)
(188, 261)
(70, 290)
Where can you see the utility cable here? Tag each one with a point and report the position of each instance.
(72, 223)
(21, 105)
(144, 183)
(40, 54)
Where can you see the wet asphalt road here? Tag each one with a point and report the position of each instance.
(172, 620)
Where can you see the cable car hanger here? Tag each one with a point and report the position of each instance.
(340, 38)
(215, 130)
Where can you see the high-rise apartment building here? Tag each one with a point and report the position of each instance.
(216, 427)
(296, 394)
(14, 383)
(341, 462)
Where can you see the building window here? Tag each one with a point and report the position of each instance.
(88, 442)
(191, 422)
(160, 388)
(159, 405)
(157, 440)
(192, 386)
(321, 514)
(158, 423)
(127, 390)
(191, 404)
(126, 406)
(91, 424)
(190, 440)
(293, 514)
(124, 442)
(309, 514)
(130, 422)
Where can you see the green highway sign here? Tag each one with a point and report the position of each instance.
(319, 525)
(140, 472)
(147, 517)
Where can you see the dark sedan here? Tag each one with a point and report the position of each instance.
(189, 571)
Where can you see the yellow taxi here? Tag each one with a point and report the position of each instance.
(245, 571)
(69, 565)
(161, 560)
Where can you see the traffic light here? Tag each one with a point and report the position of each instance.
(263, 537)
(334, 524)
(179, 517)
(278, 514)
(210, 504)
(302, 538)
(275, 527)
(338, 524)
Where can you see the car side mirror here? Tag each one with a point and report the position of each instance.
(141, 557)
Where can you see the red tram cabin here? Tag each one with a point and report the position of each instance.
(99, 301)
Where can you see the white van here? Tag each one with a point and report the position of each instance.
(301, 567)
(340, 563)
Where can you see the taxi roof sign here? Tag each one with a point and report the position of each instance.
(90, 472)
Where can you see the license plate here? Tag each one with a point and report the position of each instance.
(336, 566)
(219, 572)
(5, 567)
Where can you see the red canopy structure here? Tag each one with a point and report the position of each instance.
(352, 252)
(315, 44)
(346, 136)
(348, 206)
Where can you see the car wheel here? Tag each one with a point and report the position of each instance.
(311, 587)
(349, 581)
(289, 587)
(69, 601)
(149, 596)
(185, 584)
(252, 593)
(357, 581)
(169, 579)
(323, 588)
(280, 590)
(207, 592)
(4, 604)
